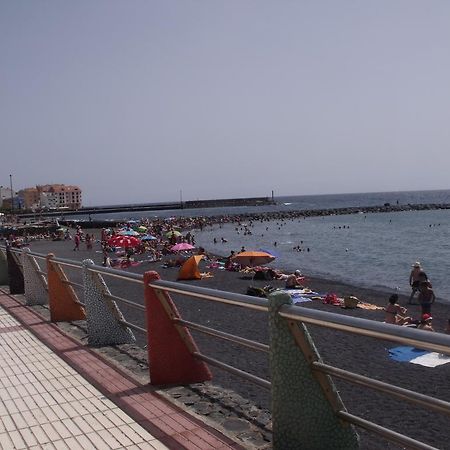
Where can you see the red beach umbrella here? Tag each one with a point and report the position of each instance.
(124, 241)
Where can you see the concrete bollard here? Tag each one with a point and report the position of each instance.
(103, 314)
(36, 289)
(3, 268)
(62, 299)
(15, 274)
(170, 347)
(303, 409)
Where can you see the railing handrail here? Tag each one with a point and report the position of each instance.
(72, 263)
(215, 295)
(437, 342)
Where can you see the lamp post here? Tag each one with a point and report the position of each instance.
(12, 194)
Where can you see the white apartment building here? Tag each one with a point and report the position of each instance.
(51, 196)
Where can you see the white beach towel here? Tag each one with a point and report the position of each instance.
(431, 359)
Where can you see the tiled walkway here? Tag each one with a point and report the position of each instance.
(46, 404)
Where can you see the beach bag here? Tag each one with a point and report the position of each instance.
(331, 299)
(350, 301)
(262, 275)
(256, 291)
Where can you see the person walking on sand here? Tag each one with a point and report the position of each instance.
(88, 241)
(426, 297)
(416, 276)
(77, 242)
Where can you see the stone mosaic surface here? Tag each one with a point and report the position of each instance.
(302, 416)
(36, 289)
(102, 313)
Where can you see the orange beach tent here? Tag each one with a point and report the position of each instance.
(189, 269)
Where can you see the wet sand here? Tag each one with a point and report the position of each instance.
(365, 356)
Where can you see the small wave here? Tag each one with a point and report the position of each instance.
(287, 204)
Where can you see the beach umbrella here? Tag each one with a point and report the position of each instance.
(124, 241)
(173, 232)
(128, 233)
(270, 252)
(148, 237)
(253, 258)
(189, 270)
(182, 246)
(141, 229)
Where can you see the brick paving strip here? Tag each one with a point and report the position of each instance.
(53, 395)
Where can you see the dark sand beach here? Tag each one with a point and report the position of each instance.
(365, 356)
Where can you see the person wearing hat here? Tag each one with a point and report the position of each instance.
(416, 276)
(425, 323)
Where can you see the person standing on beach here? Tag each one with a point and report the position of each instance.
(416, 276)
(105, 254)
(426, 297)
(88, 241)
(77, 242)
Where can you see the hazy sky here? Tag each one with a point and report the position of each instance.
(135, 101)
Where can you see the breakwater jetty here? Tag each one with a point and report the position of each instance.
(280, 215)
(31, 228)
(217, 203)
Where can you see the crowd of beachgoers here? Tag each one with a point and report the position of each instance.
(157, 238)
(172, 240)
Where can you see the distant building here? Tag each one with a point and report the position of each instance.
(29, 198)
(5, 197)
(51, 196)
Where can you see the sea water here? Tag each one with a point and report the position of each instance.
(373, 250)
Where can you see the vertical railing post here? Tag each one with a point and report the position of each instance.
(36, 289)
(15, 274)
(302, 414)
(102, 313)
(170, 347)
(3, 268)
(62, 298)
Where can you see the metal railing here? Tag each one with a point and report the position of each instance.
(434, 342)
(96, 269)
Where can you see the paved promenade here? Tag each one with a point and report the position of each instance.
(57, 394)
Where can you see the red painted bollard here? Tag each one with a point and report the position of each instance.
(170, 347)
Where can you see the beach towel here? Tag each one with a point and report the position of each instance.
(432, 359)
(206, 275)
(296, 299)
(305, 292)
(418, 356)
(369, 306)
